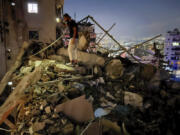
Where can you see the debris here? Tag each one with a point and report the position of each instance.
(18, 94)
(85, 58)
(114, 69)
(98, 71)
(61, 87)
(133, 99)
(78, 109)
(83, 43)
(48, 97)
(112, 126)
(37, 126)
(78, 86)
(48, 109)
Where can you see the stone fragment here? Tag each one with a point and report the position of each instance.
(54, 98)
(26, 70)
(48, 109)
(55, 115)
(83, 43)
(114, 69)
(61, 87)
(37, 126)
(48, 121)
(97, 71)
(133, 99)
(68, 129)
(78, 86)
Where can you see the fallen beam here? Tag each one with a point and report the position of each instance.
(105, 34)
(85, 58)
(18, 95)
(9, 124)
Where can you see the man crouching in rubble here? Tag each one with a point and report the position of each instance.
(73, 43)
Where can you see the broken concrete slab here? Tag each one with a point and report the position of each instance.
(133, 99)
(78, 109)
(86, 58)
(83, 43)
(57, 58)
(114, 69)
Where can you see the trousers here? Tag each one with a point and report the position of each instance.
(72, 49)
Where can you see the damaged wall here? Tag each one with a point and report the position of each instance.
(21, 22)
(44, 21)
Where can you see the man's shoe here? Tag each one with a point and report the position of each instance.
(70, 64)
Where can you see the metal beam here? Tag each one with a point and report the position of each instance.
(105, 34)
(122, 47)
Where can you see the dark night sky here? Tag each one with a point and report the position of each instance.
(133, 18)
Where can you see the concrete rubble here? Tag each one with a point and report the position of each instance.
(101, 96)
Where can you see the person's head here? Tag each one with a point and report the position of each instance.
(66, 17)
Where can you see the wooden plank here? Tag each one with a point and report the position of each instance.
(9, 124)
(17, 96)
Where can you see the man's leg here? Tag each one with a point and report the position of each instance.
(75, 52)
(70, 51)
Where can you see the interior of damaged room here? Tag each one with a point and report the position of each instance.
(88, 67)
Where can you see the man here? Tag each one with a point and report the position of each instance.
(73, 43)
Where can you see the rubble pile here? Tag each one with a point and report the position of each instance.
(110, 97)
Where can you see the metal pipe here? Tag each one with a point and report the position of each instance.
(105, 33)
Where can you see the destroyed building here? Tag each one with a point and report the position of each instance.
(41, 95)
(26, 20)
